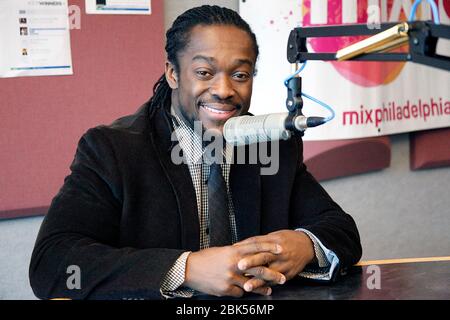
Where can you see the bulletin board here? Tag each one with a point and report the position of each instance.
(116, 61)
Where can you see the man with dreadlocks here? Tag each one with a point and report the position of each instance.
(136, 225)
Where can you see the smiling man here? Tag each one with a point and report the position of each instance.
(215, 73)
(138, 225)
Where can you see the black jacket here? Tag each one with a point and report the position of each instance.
(126, 212)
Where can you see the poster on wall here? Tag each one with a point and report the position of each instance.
(369, 98)
(118, 7)
(34, 38)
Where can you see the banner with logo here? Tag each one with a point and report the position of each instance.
(369, 98)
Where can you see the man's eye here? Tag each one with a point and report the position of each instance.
(203, 73)
(241, 76)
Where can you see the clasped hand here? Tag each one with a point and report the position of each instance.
(252, 265)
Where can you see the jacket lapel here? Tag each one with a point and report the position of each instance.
(245, 185)
(180, 179)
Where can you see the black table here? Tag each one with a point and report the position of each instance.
(398, 281)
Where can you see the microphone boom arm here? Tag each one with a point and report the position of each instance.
(422, 37)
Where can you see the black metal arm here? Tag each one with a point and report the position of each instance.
(422, 38)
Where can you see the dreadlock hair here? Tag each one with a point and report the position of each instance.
(177, 38)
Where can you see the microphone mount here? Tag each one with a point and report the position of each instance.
(294, 102)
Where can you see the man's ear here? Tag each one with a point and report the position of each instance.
(171, 75)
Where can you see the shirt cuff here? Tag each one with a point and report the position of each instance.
(171, 283)
(327, 261)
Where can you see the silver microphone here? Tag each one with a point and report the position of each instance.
(269, 127)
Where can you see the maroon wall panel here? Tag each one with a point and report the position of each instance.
(337, 158)
(429, 149)
(116, 60)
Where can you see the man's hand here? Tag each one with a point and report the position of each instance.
(215, 270)
(298, 251)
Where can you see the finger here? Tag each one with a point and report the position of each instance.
(254, 284)
(259, 259)
(279, 266)
(285, 268)
(253, 239)
(258, 246)
(236, 291)
(264, 291)
(235, 287)
(239, 280)
(267, 274)
(257, 286)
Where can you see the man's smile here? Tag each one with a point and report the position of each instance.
(219, 111)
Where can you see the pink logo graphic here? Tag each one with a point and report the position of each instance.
(366, 74)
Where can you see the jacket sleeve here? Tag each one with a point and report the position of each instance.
(82, 229)
(314, 210)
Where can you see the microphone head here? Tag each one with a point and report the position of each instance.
(244, 130)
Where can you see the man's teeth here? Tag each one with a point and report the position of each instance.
(215, 110)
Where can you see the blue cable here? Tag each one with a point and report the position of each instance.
(323, 104)
(295, 73)
(433, 7)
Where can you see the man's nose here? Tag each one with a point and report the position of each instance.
(222, 87)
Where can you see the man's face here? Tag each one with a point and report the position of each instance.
(215, 77)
